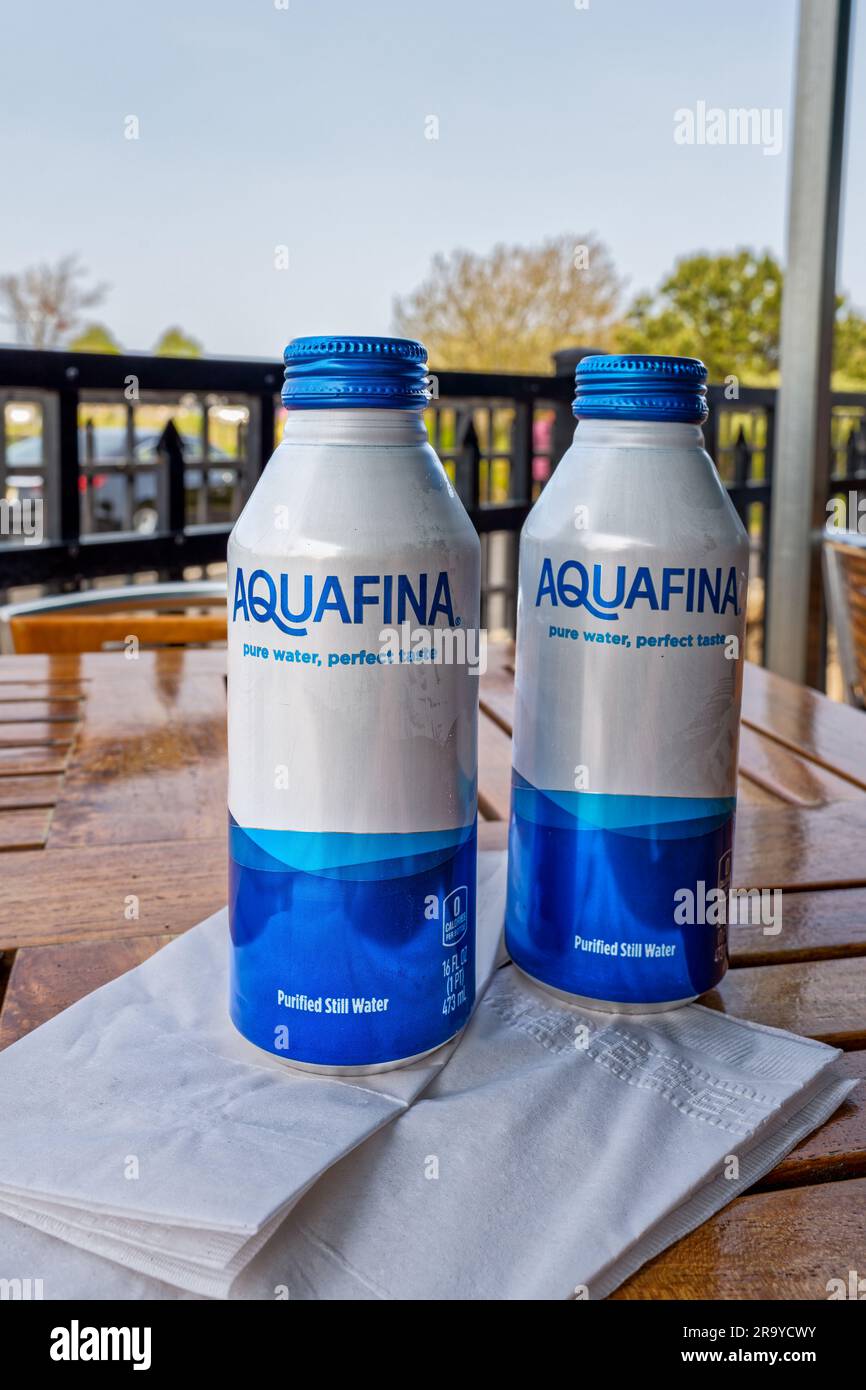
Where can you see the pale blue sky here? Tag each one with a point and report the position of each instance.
(304, 127)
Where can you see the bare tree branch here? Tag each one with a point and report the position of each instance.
(45, 302)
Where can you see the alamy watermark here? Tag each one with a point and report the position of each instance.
(434, 646)
(713, 125)
(847, 514)
(23, 518)
(77, 1343)
(21, 1290)
(734, 907)
(852, 1287)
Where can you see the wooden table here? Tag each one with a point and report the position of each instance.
(112, 833)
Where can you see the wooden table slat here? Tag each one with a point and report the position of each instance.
(28, 761)
(787, 776)
(825, 1001)
(836, 1150)
(154, 767)
(64, 691)
(816, 925)
(494, 771)
(47, 979)
(37, 734)
(84, 892)
(778, 1245)
(25, 829)
(789, 847)
(41, 711)
(828, 733)
(42, 789)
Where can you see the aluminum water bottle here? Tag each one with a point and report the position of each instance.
(631, 618)
(352, 750)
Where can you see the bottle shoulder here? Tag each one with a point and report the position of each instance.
(655, 498)
(327, 501)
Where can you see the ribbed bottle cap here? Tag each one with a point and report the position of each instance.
(637, 387)
(354, 373)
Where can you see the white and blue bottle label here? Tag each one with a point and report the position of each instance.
(353, 785)
(351, 950)
(624, 783)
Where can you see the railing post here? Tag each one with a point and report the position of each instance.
(61, 471)
(172, 500)
(467, 484)
(130, 480)
(264, 433)
(202, 503)
(801, 480)
(711, 433)
(258, 440)
(742, 461)
(522, 454)
(767, 519)
(564, 363)
(3, 400)
(86, 491)
(467, 461)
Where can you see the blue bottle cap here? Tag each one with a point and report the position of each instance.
(637, 387)
(354, 372)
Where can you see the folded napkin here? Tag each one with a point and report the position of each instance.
(146, 1130)
(548, 1155)
(556, 1152)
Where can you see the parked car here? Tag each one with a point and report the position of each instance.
(108, 490)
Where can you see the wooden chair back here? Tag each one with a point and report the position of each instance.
(151, 615)
(845, 584)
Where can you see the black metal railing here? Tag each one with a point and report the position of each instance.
(67, 391)
(139, 464)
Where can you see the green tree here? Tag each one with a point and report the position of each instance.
(724, 309)
(849, 347)
(510, 309)
(95, 337)
(727, 310)
(175, 343)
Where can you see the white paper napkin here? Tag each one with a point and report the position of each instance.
(140, 1126)
(556, 1153)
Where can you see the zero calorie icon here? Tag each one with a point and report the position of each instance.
(455, 916)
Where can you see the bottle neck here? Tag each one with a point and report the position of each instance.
(637, 434)
(360, 427)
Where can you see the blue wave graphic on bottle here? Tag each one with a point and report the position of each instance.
(351, 950)
(591, 891)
